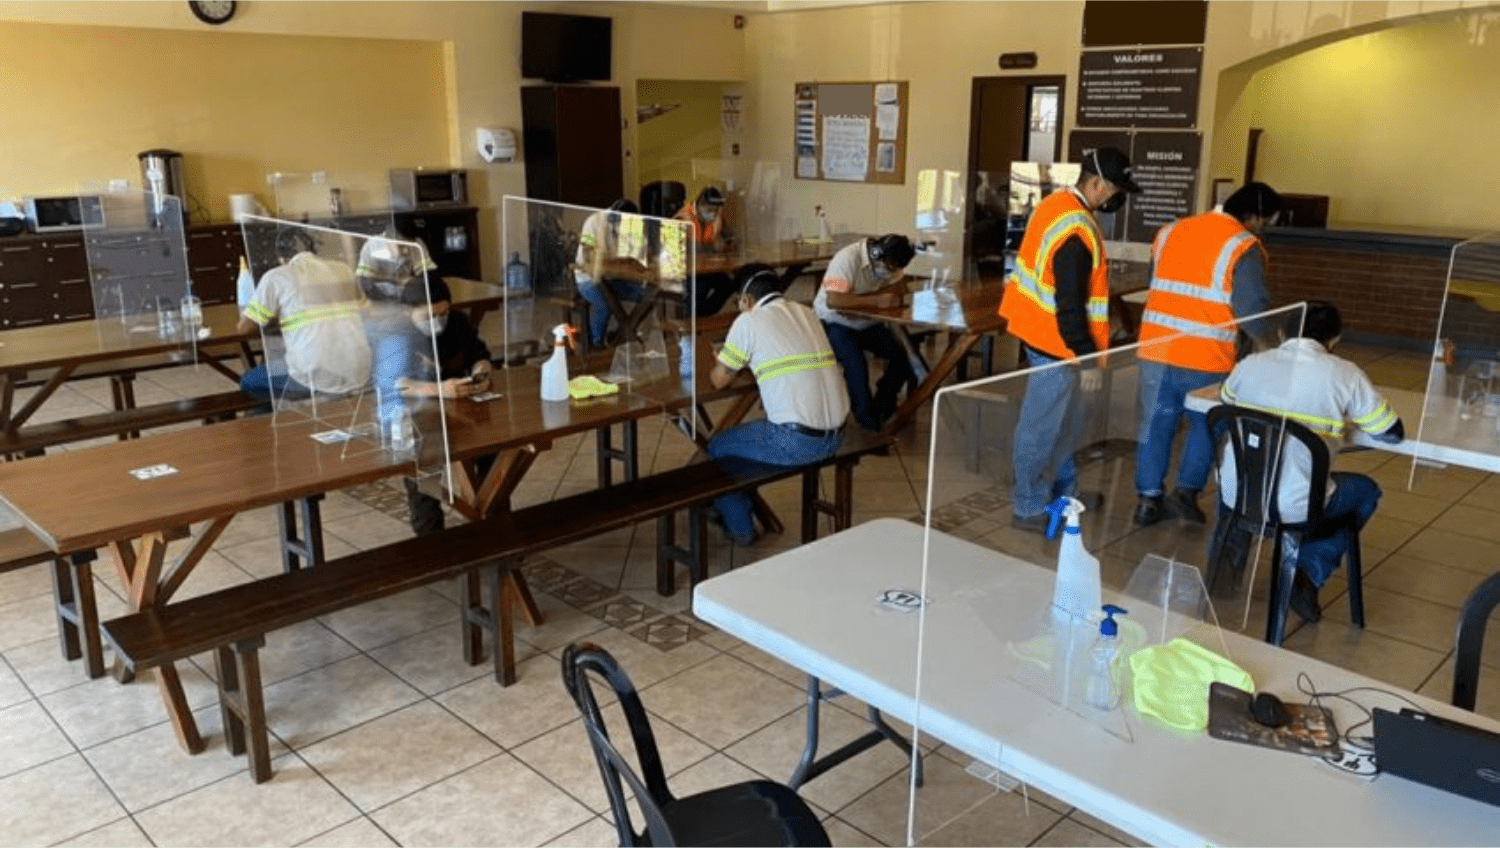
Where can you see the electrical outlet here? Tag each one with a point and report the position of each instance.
(117, 186)
(319, 177)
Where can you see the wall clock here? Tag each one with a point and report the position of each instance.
(212, 11)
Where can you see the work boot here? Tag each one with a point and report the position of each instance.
(1148, 511)
(1183, 503)
(426, 511)
(1305, 598)
(1032, 523)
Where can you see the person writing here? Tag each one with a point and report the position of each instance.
(1304, 381)
(1057, 303)
(867, 274)
(710, 233)
(784, 346)
(1207, 272)
(612, 251)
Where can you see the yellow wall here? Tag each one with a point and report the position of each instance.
(83, 101)
(667, 145)
(1398, 128)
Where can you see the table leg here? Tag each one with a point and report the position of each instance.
(310, 545)
(958, 347)
(810, 766)
(53, 383)
(213, 362)
(494, 494)
(7, 400)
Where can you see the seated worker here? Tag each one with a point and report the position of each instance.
(784, 346)
(384, 264)
(1207, 271)
(867, 273)
(316, 304)
(611, 252)
(1303, 380)
(405, 336)
(710, 234)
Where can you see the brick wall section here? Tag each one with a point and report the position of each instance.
(1379, 294)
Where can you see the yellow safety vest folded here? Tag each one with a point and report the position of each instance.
(1172, 680)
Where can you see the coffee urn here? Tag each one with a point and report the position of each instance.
(161, 174)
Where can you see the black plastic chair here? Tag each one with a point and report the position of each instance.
(663, 198)
(1472, 621)
(756, 812)
(1258, 441)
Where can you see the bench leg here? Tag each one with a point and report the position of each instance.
(810, 481)
(666, 563)
(77, 611)
(242, 706)
(669, 555)
(473, 618)
(843, 496)
(504, 598)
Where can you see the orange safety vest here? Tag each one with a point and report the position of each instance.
(704, 233)
(1188, 311)
(1029, 304)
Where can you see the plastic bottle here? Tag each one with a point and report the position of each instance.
(555, 369)
(244, 287)
(1076, 593)
(403, 437)
(823, 234)
(1100, 692)
(685, 359)
(517, 275)
(167, 324)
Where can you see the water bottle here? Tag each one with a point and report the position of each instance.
(166, 318)
(244, 286)
(685, 361)
(1100, 692)
(517, 275)
(192, 313)
(403, 434)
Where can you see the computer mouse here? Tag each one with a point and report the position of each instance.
(1268, 710)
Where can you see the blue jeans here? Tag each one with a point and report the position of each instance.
(1050, 428)
(1164, 390)
(767, 443)
(599, 305)
(261, 384)
(1354, 494)
(849, 346)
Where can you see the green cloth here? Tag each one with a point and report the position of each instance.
(1171, 681)
(587, 386)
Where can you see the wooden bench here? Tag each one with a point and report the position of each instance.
(72, 594)
(232, 622)
(37, 437)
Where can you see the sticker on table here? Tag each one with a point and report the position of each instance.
(332, 437)
(152, 471)
(899, 600)
(483, 397)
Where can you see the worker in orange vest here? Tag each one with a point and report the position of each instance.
(1207, 272)
(1057, 303)
(710, 232)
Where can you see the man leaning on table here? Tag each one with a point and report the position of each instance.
(868, 274)
(1207, 271)
(1057, 303)
(785, 347)
(1304, 381)
(316, 303)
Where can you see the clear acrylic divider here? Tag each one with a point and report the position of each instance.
(1458, 416)
(350, 355)
(138, 270)
(330, 197)
(1011, 675)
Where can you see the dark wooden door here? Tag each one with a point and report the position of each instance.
(999, 134)
(572, 144)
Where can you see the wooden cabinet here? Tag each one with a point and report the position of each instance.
(572, 145)
(44, 280)
(214, 252)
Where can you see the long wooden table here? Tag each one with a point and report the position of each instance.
(966, 313)
(82, 500)
(816, 609)
(83, 349)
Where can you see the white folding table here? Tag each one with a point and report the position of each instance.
(815, 608)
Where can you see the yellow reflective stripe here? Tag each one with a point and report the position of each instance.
(793, 364)
(1326, 426)
(1222, 271)
(733, 357)
(1193, 290)
(1098, 309)
(1188, 326)
(1378, 421)
(1043, 299)
(319, 314)
(258, 313)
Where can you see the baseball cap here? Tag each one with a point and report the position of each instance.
(711, 196)
(1112, 164)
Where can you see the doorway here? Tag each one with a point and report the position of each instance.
(1012, 119)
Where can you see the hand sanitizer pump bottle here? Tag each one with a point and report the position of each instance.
(1101, 693)
(555, 369)
(1076, 593)
(244, 286)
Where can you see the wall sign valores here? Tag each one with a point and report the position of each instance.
(1154, 87)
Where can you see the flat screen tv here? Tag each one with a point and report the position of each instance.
(564, 48)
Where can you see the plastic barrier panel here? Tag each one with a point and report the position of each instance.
(138, 270)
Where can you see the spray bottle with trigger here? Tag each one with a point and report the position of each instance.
(1076, 593)
(555, 369)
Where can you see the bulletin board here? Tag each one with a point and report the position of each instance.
(850, 132)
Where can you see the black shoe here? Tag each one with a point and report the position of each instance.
(1033, 523)
(426, 511)
(1148, 511)
(1183, 503)
(1305, 598)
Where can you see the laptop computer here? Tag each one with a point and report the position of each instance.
(1438, 752)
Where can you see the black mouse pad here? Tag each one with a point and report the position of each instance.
(1308, 730)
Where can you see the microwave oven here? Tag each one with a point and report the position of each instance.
(64, 213)
(426, 188)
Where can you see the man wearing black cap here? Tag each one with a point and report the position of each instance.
(1057, 303)
(706, 215)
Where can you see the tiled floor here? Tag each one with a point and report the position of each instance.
(382, 736)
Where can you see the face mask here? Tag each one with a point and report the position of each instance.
(432, 327)
(1113, 204)
(881, 272)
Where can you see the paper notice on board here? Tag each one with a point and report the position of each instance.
(885, 92)
(887, 120)
(807, 167)
(807, 127)
(846, 148)
(885, 157)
